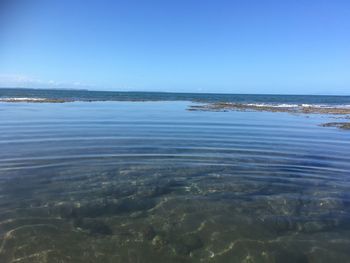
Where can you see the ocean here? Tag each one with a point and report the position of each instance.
(86, 95)
(136, 177)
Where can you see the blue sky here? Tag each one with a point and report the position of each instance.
(247, 46)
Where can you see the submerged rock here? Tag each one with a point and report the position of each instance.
(289, 257)
(313, 226)
(187, 243)
(94, 226)
(160, 189)
(155, 191)
(148, 232)
(106, 207)
(133, 205)
(340, 125)
(284, 205)
(280, 224)
(159, 242)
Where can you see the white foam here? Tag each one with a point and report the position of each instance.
(286, 105)
(22, 99)
(283, 105)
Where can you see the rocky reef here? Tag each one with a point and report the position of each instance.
(340, 125)
(307, 109)
(301, 109)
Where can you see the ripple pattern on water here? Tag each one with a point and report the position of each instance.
(152, 182)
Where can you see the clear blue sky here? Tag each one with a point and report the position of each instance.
(246, 46)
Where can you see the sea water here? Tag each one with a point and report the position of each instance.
(151, 181)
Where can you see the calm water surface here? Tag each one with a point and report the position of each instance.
(152, 182)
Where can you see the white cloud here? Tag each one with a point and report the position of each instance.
(15, 80)
(18, 80)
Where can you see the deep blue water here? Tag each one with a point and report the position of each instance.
(153, 182)
(82, 95)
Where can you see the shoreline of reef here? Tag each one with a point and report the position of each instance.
(297, 109)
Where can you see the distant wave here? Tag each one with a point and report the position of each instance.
(25, 99)
(286, 105)
(216, 100)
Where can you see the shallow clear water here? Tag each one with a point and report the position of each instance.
(153, 182)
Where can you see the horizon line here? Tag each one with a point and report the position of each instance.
(174, 92)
